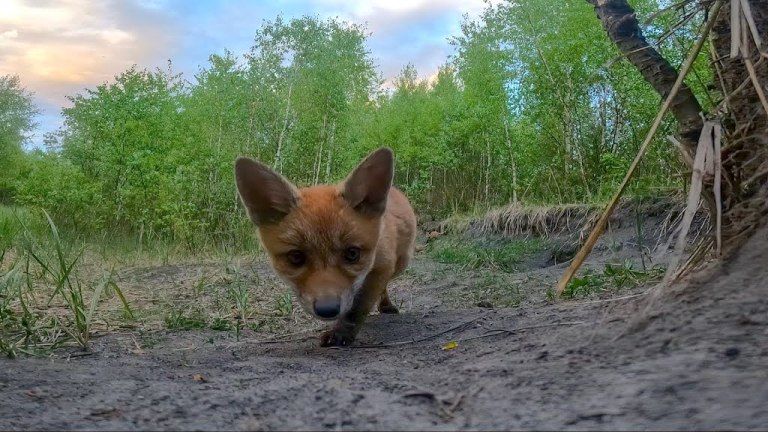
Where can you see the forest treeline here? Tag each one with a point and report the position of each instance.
(535, 106)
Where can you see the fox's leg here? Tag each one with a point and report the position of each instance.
(385, 305)
(346, 328)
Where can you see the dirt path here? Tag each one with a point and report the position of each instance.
(700, 365)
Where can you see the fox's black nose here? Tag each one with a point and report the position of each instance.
(327, 307)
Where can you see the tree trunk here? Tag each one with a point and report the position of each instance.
(487, 169)
(619, 22)
(329, 160)
(512, 160)
(319, 159)
(279, 155)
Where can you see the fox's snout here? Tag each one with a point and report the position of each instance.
(327, 307)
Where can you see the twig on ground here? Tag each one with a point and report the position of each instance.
(276, 341)
(455, 403)
(138, 349)
(287, 337)
(495, 332)
(425, 338)
(422, 393)
(80, 354)
(626, 297)
(489, 333)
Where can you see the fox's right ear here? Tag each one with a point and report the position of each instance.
(267, 195)
(366, 189)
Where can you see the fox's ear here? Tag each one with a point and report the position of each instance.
(367, 188)
(267, 195)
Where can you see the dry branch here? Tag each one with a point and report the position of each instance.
(704, 164)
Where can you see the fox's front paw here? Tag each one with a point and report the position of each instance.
(386, 306)
(337, 337)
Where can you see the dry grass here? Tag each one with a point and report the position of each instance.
(740, 59)
(544, 221)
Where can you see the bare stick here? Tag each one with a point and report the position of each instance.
(286, 337)
(755, 82)
(425, 338)
(496, 332)
(603, 221)
(735, 27)
(700, 168)
(277, 341)
(608, 300)
(718, 188)
(489, 333)
(750, 21)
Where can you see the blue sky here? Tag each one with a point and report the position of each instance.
(60, 47)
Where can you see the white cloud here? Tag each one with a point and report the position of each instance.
(60, 47)
(407, 31)
(9, 34)
(367, 8)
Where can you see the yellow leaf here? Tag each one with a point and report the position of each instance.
(449, 346)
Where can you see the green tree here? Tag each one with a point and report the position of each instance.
(127, 136)
(17, 114)
(321, 71)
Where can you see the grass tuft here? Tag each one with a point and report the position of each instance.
(473, 253)
(43, 302)
(611, 279)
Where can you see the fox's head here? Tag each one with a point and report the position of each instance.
(321, 239)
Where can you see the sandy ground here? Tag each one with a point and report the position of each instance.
(698, 363)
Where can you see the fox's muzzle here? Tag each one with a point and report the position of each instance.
(327, 307)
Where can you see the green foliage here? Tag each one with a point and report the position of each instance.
(17, 113)
(535, 106)
(179, 319)
(498, 289)
(612, 278)
(14, 221)
(284, 304)
(477, 253)
(40, 272)
(58, 185)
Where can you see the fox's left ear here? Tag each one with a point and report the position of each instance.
(367, 188)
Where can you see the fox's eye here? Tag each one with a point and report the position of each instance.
(296, 257)
(351, 254)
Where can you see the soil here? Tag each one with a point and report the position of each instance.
(697, 362)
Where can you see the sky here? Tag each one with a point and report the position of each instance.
(61, 47)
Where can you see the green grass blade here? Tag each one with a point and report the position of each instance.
(126, 306)
(95, 301)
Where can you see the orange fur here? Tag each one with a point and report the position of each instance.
(323, 225)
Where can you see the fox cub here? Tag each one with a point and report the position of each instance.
(337, 245)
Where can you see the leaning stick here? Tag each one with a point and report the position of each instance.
(603, 221)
